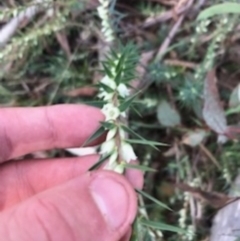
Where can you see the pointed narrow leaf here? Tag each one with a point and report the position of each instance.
(107, 125)
(162, 226)
(144, 194)
(130, 131)
(114, 54)
(145, 142)
(137, 112)
(135, 231)
(118, 77)
(107, 70)
(125, 105)
(94, 136)
(99, 163)
(106, 87)
(120, 63)
(139, 167)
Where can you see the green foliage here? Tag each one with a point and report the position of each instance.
(190, 91)
(123, 62)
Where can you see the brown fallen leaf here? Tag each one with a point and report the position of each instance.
(213, 113)
(226, 223)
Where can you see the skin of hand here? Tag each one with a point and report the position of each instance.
(58, 199)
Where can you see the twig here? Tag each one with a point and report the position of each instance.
(173, 32)
(209, 155)
(169, 38)
(163, 17)
(181, 63)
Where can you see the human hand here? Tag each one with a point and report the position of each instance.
(57, 199)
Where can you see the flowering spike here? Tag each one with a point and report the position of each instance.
(115, 109)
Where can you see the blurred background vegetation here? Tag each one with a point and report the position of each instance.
(188, 74)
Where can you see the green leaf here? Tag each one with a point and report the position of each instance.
(140, 232)
(162, 226)
(118, 77)
(145, 142)
(222, 8)
(130, 131)
(167, 115)
(106, 87)
(233, 110)
(135, 232)
(108, 125)
(139, 167)
(113, 54)
(99, 163)
(144, 194)
(125, 105)
(120, 63)
(107, 70)
(95, 135)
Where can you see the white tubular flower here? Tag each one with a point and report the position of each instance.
(102, 11)
(105, 3)
(122, 134)
(123, 90)
(105, 95)
(127, 152)
(110, 111)
(119, 169)
(111, 133)
(124, 114)
(109, 82)
(113, 158)
(108, 147)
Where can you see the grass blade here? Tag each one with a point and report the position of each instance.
(139, 167)
(144, 194)
(162, 226)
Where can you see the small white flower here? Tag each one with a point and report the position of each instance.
(127, 152)
(123, 90)
(109, 82)
(110, 111)
(119, 169)
(238, 92)
(113, 158)
(105, 95)
(111, 133)
(122, 134)
(108, 147)
(112, 161)
(124, 114)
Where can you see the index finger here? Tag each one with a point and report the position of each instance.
(26, 130)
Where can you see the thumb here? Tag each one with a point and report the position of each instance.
(94, 206)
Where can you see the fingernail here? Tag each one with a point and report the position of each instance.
(112, 200)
